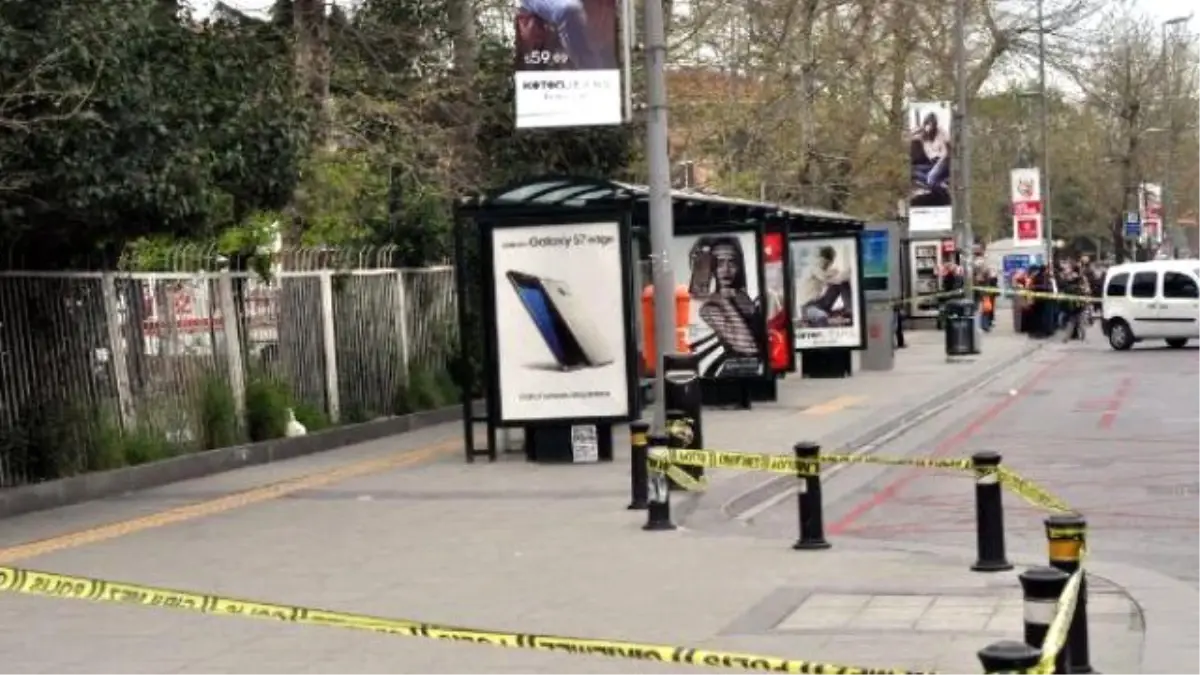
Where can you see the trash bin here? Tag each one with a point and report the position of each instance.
(958, 320)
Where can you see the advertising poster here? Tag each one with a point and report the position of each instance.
(828, 311)
(877, 264)
(929, 146)
(1150, 201)
(560, 322)
(1026, 206)
(567, 72)
(778, 343)
(726, 324)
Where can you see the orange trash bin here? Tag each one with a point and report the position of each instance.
(683, 305)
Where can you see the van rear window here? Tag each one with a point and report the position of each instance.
(1116, 284)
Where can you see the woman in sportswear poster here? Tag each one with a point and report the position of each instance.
(726, 325)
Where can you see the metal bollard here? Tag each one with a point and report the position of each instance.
(638, 478)
(1066, 535)
(989, 514)
(808, 500)
(658, 512)
(1009, 656)
(1042, 587)
(677, 419)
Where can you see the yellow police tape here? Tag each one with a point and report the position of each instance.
(754, 461)
(759, 461)
(45, 584)
(986, 290)
(1056, 634)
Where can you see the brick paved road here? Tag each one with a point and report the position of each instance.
(1114, 434)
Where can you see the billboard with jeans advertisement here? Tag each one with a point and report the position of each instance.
(827, 294)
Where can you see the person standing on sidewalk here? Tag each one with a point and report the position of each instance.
(1074, 301)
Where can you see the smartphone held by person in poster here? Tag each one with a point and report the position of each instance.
(726, 325)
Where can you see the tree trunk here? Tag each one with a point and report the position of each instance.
(465, 60)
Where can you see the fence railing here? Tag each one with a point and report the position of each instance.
(104, 369)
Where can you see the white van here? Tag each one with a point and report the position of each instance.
(1153, 300)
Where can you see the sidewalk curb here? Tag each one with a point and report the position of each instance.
(1169, 608)
(87, 487)
(863, 443)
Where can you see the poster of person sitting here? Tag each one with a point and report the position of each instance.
(827, 312)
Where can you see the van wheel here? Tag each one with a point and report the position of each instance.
(1120, 336)
(1177, 343)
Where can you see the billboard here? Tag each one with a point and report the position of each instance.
(778, 323)
(726, 325)
(929, 149)
(560, 318)
(828, 297)
(1026, 200)
(1150, 207)
(567, 73)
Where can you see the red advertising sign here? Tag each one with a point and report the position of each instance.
(778, 345)
(1027, 229)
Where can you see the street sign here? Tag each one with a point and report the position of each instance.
(1133, 224)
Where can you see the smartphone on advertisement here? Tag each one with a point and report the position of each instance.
(702, 272)
(562, 321)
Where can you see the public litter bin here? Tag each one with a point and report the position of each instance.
(683, 306)
(958, 320)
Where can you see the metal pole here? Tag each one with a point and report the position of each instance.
(661, 227)
(962, 196)
(1169, 73)
(1043, 139)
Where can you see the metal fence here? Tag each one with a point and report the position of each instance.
(105, 369)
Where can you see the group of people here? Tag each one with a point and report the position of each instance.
(1076, 282)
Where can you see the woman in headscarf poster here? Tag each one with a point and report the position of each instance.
(726, 322)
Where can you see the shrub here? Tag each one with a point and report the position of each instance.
(218, 414)
(267, 401)
(313, 418)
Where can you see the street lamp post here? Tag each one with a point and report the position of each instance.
(962, 170)
(661, 227)
(1043, 137)
(1172, 128)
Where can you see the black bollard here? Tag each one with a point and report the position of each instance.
(683, 397)
(1042, 588)
(808, 500)
(638, 477)
(1009, 656)
(680, 435)
(989, 514)
(658, 511)
(1066, 535)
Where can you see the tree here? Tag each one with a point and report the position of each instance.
(128, 122)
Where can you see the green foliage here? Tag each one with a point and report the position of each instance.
(426, 389)
(218, 413)
(345, 195)
(138, 124)
(313, 418)
(140, 445)
(267, 402)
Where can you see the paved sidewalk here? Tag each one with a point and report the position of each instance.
(522, 547)
(847, 414)
(516, 547)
